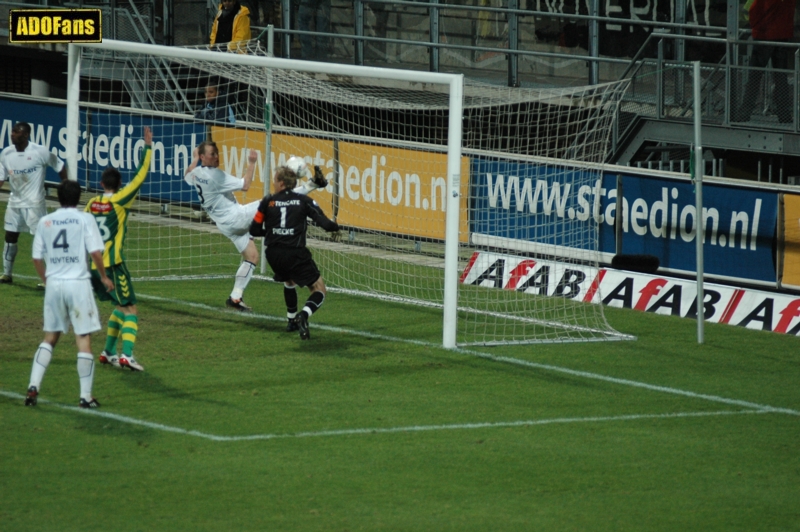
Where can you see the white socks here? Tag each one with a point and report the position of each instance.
(9, 254)
(86, 374)
(85, 369)
(243, 276)
(40, 362)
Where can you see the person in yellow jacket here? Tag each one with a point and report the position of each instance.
(231, 29)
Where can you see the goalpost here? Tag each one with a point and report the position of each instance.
(476, 199)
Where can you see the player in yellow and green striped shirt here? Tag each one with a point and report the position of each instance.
(110, 211)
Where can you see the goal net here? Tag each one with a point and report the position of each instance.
(476, 199)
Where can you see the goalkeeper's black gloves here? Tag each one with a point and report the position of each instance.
(335, 232)
(319, 178)
(257, 229)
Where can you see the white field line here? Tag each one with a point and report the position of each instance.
(487, 356)
(755, 408)
(380, 430)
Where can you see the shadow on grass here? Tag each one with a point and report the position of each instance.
(150, 383)
(327, 344)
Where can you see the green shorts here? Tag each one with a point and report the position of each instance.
(122, 294)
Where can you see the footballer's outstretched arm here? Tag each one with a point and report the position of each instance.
(319, 218)
(193, 164)
(124, 197)
(250, 172)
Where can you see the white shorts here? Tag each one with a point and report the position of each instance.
(68, 302)
(25, 219)
(236, 226)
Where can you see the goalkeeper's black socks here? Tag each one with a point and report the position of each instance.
(313, 303)
(290, 297)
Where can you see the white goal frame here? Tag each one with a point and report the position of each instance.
(453, 84)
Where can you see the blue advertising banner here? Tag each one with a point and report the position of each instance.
(521, 201)
(112, 139)
(659, 218)
(47, 121)
(534, 203)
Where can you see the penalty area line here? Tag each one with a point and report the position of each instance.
(495, 358)
(380, 430)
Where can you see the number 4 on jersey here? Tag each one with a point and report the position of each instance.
(60, 241)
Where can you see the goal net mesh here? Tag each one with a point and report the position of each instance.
(530, 161)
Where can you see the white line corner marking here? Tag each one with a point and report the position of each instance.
(381, 430)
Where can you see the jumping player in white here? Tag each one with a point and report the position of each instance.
(24, 165)
(215, 189)
(65, 237)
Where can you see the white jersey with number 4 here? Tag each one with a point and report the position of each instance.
(64, 238)
(26, 171)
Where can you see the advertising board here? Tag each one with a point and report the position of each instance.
(379, 188)
(791, 240)
(533, 203)
(658, 294)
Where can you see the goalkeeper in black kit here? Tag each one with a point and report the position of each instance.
(282, 219)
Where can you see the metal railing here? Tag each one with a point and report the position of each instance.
(733, 92)
(440, 36)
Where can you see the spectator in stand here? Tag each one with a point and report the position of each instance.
(771, 21)
(314, 15)
(231, 29)
(217, 108)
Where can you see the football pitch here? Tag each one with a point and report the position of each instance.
(371, 425)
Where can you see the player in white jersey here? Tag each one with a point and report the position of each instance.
(24, 165)
(215, 189)
(63, 239)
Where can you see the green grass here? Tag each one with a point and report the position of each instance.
(688, 457)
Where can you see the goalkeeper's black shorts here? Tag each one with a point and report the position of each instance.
(292, 264)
